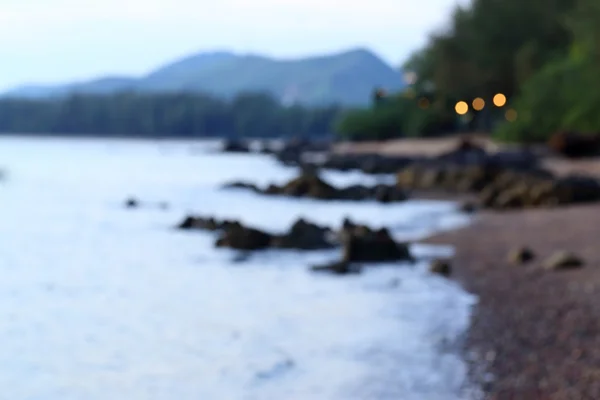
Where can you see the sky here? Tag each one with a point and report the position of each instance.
(54, 41)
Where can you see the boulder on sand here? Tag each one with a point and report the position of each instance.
(563, 260)
(521, 255)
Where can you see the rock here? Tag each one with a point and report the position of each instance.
(575, 145)
(376, 246)
(132, 203)
(388, 194)
(272, 189)
(240, 237)
(304, 236)
(241, 185)
(200, 223)
(520, 255)
(468, 207)
(235, 146)
(308, 184)
(441, 267)
(338, 267)
(563, 260)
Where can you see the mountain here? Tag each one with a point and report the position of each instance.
(346, 78)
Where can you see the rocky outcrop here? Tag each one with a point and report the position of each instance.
(302, 235)
(360, 244)
(310, 185)
(363, 245)
(501, 188)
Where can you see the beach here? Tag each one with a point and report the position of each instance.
(535, 333)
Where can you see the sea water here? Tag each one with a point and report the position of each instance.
(98, 301)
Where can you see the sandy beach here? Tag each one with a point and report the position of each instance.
(536, 332)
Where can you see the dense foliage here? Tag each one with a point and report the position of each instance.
(543, 55)
(165, 115)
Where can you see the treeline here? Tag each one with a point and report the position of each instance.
(165, 115)
(543, 55)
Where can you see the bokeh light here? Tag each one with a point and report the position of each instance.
(478, 104)
(510, 115)
(423, 103)
(461, 108)
(499, 100)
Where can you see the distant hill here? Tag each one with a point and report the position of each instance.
(345, 78)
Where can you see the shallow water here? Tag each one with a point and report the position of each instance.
(100, 302)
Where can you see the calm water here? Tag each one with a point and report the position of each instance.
(100, 302)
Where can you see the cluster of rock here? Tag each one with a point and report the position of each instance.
(360, 244)
(466, 152)
(560, 260)
(311, 185)
(501, 188)
(284, 149)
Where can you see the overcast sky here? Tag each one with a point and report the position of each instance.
(50, 41)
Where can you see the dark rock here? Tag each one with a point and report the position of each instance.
(376, 246)
(200, 223)
(309, 184)
(441, 267)
(132, 203)
(521, 255)
(241, 185)
(272, 189)
(240, 237)
(338, 267)
(563, 260)
(468, 207)
(304, 236)
(235, 146)
(575, 145)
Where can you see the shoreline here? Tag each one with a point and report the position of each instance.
(535, 331)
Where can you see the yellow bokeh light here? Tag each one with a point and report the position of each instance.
(423, 103)
(478, 104)
(511, 115)
(461, 108)
(499, 100)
